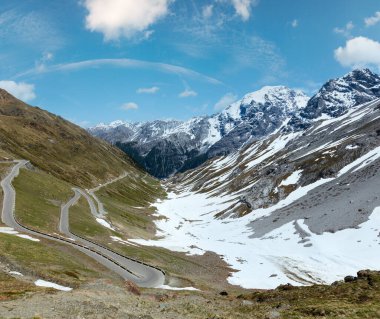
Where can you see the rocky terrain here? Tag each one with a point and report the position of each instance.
(355, 298)
(272, 207)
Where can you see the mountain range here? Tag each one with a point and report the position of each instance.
(298, 203)
(276, 191)
(164, 148)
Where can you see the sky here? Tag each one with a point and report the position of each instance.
(94, 61)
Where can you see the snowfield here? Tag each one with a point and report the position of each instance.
(279, 257)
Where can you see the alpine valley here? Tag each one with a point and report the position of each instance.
(268, 209)
(282, 186)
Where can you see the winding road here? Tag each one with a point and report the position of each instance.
(101, 211)
(141, 274)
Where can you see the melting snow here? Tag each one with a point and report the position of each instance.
(47, 284)
(292, 179)
(277, 258)
(166, 287)
(11, 231)
(361, 162)
(16, 273)
(122, 241)
(351, 147)
(104, 223)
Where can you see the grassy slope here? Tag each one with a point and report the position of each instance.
(11, 288)
(56, 145)
(358, 299)
(39, 197)
(84, 224)
(38, 205)
(48, 260)
(128, 203)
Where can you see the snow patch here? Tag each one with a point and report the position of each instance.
(104, 223)
(122, 241)
(47, 284)
(16, 273)
(351, 147)
(166, 287)
(11, 231)
(292, 179)
(361, 162)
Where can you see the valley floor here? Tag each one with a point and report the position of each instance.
(290, 254)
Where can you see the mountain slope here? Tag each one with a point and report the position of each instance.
(56, 145)
(299, 205)
(166, 147)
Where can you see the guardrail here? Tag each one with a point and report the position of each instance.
(65, 240)
(116, 253)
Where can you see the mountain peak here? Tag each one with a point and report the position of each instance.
(358, 73)
(338, 95)
(6, 97)
(269, 93)
(281, 97)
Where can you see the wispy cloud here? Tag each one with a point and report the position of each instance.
(129, 106)
(346, 30)
(257, 53)
(224, 101)
(122, 63)
(21, 90)
(207, 11)
(371, 21)
(187, 93)
(151, 90)
(294, 23)
(33, 29)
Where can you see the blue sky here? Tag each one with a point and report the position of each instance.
(94, 61)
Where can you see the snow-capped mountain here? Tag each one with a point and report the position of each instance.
(337, 96)
(165, 147)
(287, 188)
(299, 207)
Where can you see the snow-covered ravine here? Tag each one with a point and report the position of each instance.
(278, 257)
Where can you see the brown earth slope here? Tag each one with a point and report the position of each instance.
(56, 145)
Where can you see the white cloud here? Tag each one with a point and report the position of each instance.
(359, 52)
(151, 90)
(346, 30)
(118, 18)
(129, 106)
(372, 20)
(21, 90)
(294, 23)
(243, 7)
(207, 11)
(188, 93)
(41, 63)
(225, 100)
